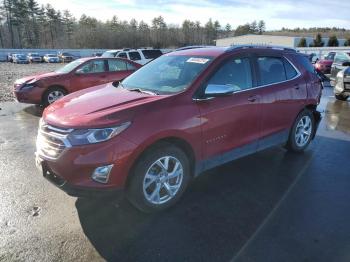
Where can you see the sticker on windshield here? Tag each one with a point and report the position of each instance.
(197, 60)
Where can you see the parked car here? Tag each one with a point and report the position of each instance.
(34, 58)
(97, 54)
(313, 57)
(46, 88)
(65, 57)
(324, 65)
(20, 59)
(340, 62)
(140, 56)
(181, 114)
(51, 58)
(342, 83)
(9, 57)
(111, 53)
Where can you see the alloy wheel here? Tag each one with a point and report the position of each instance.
(303, 131)
(54, 95)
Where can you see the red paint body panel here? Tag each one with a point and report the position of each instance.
(71, 82)
(211, 128)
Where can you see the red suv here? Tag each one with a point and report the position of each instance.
(181, 114)
(82, 73)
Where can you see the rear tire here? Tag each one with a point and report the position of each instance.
(341, 97)
(302, 132)
(159, 178)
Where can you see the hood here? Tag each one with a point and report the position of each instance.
(99, 106)
(39, 76)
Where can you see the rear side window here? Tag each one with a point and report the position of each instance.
(116, 65)
(290, 70)
(236, 72)
(151, 54)
(130, 66)
(271, 70)
(341, 58)
(306, 63)
(123, 55)
(134, 56)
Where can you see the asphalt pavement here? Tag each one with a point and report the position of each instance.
(271, 206)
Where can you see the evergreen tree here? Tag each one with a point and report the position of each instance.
(302, 42)
(333, 41)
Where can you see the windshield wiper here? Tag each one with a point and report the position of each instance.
(142, 91)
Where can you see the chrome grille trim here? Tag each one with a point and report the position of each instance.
(51, 138)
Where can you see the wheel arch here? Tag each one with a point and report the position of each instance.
(179, 142)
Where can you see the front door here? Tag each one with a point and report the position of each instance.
(231, 124)
(90, 74)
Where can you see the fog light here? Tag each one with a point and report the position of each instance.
(101, 174)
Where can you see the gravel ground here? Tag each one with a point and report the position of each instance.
(9, 73)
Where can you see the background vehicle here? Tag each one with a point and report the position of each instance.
(20, 59)
(51, 58)
(80, 74)
(111, 53)
(97, 54)
(34, 57)
(140, 56)
(340, 62)
(324, 65)
(9, 57)
(65, 57)
(313, 57)
(177, 116)
(342, 83)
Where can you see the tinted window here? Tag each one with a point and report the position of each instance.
(151, 54)
(134, 56)
(123, 55)
(330, 56)
(290, 70)
(271, 70)
(96, 66)
(306, 63)
(236, 72)
(116, 65)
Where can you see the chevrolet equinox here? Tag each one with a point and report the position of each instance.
(185, 112)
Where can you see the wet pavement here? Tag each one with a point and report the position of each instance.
(271, 206)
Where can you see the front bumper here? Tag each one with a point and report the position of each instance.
(29, 96)
(73, 190)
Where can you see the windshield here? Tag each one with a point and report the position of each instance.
(69, 67)
(51, 55)
(34, 55)
(167, 74)
(21, 56)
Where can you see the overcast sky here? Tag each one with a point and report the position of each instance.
(277, 14)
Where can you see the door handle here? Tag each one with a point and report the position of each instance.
(252, 98)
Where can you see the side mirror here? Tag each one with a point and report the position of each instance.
(219, 90)
(347, 63)
(80, 71)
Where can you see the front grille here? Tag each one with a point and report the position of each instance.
(52, 141)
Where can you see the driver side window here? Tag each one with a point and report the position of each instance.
(95, 66)
(236, 73)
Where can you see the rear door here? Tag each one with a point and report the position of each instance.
(119, 69)
(89, 74)
(283, 93)
(231, 124)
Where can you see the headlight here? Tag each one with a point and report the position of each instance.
(32, 83)
(92, 136)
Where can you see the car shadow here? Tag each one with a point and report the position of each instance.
(34, 110)
(219, 212)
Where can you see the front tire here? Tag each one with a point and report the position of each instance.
(341, 97)
(52, 95)
(159, 178)
(302, 132)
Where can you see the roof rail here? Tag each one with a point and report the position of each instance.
(235, 47)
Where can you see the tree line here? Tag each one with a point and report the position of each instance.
(318, 42)
(26, 24)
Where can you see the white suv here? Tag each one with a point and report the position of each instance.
(140, 56)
